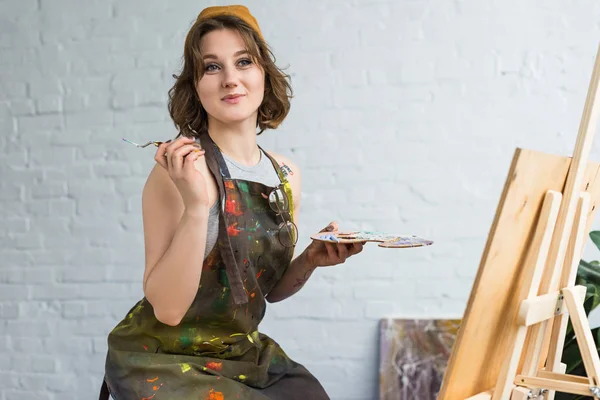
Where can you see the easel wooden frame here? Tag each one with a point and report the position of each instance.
(511, 339)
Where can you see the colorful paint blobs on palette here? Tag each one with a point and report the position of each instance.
(212, 395)
(413, 357)
(406, 241)
(385, 239)
(330, 237)
(216, 366)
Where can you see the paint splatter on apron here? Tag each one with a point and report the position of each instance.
(216, 352)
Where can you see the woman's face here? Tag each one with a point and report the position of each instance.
(233, 86)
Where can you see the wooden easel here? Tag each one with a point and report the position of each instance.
(510, 342)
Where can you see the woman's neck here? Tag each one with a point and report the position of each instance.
(238, 142)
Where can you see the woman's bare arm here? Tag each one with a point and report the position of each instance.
(316, 254)
(175, 241)
(300, 268)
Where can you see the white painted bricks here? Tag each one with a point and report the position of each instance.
(405, 118)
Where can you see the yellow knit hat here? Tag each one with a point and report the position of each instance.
(241, 12)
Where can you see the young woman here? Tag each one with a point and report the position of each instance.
(219, 223)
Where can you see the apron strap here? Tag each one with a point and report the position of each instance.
(212, 156)
(284, 182)
(224, 170)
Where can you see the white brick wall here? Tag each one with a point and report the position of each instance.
(406, 116)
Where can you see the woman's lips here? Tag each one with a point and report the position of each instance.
(233, 99)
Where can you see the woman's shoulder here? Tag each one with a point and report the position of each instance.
(292, 173)
(289, 168)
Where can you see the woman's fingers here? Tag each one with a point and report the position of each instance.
(342, 251)
(332, 227)
(164, 150)
(355, 248)
(175, 145)
(191, 158)
(175, 158)
(331, 250)
(159, 156)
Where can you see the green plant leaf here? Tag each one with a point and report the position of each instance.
(592, 298)
(570, 335)
(596, 335)
(588, 272)
(595, 236)
(588, 275)
(571, 356)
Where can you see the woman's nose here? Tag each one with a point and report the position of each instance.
(230, 77)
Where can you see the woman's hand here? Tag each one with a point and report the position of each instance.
(178, 158)
(322, 254)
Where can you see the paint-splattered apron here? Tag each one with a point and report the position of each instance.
(216, 352)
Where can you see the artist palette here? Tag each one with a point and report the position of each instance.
(384, 239)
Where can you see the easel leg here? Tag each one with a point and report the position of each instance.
(561, 369)
(533, 349)
(520, 393)
(534, 268)
(570, 266)
(544, 335)
(585, 340)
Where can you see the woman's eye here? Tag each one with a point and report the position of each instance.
(211, 68)
(244, 62)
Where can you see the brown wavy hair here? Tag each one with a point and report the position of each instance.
(188, 115)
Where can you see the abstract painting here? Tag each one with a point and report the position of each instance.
(413, 357)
